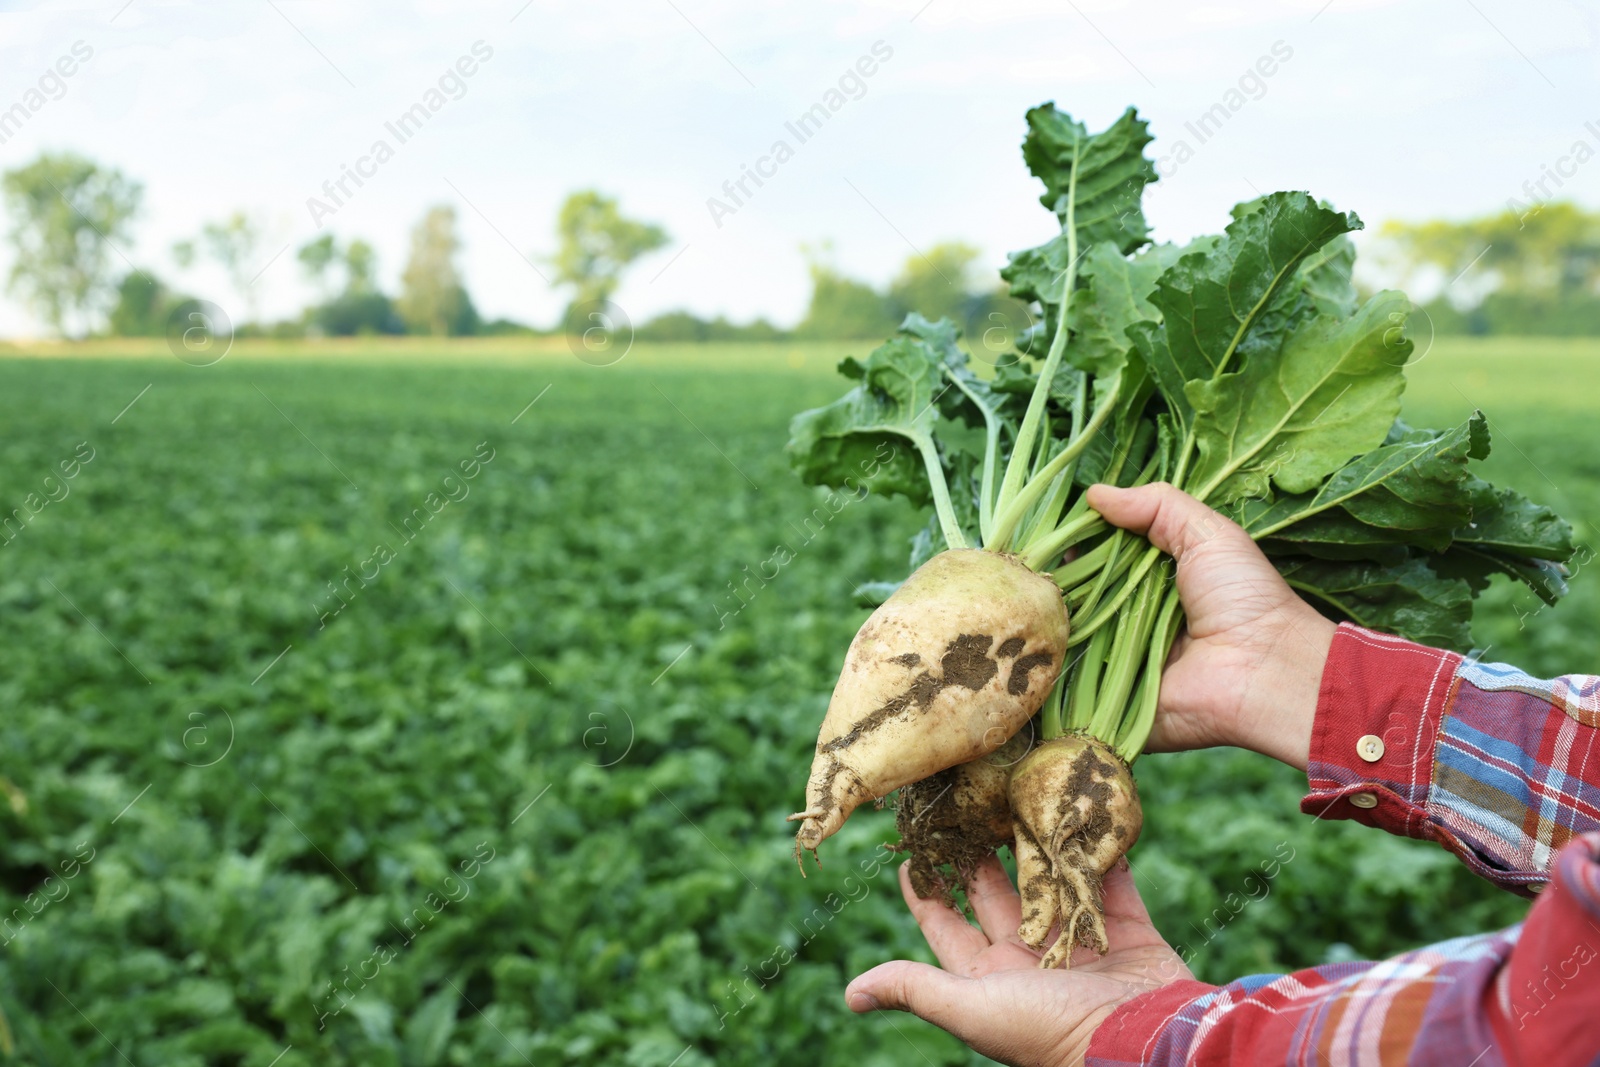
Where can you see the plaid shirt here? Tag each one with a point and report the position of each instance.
(1501, 769)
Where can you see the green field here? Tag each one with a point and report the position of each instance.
(291, 702)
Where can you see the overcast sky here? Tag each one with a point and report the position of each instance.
(1391, 109)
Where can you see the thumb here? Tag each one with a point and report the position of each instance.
(924, 991)
(1026, 1022)
(1174, 521)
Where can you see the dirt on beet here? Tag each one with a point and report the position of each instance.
(954, 820)
(1077, 812)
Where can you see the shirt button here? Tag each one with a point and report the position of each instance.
(1364, 800)
(1370, 748)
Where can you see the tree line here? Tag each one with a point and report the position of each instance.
(70, 216)
(1531, 272)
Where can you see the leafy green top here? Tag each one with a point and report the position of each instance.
(1243, 367)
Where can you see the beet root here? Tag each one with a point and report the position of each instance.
(944, 671)
(1076, 811)
(958, 818)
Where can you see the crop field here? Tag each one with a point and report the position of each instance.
(434, 705)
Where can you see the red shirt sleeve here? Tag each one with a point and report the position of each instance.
(1525, 996)
(1502, 769)
(1498, 767)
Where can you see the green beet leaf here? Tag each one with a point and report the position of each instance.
(1100, 177)
(1290, 421)
(894, 402)
(1416, 490)
(1227, 304)
(1410, 599)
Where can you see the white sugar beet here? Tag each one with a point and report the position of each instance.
(946, 670)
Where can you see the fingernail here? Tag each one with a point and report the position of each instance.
(864, 1002)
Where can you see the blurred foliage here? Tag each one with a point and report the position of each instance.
(943, 283)
(842, 307)
(143, 305)
(595, 243)
(432, 298)
(685, 326)
(353, 314)
(1534, 271)
(938, 285)
(264, 754)
(68, 215)
(360, 309)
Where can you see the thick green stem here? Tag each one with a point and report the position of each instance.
(1128, 652)
(953, 537)
(991, 454)
(1051, 723)
(1104, 615)
(1116, 565)
(1011, 513)
(1021, 452)
(1141, 715)
(1047, 516)
(1088, 565)
(1043, 551)
(1086, 682)
(1044, 446)
(1137, 725)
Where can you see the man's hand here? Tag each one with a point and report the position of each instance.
(1248, 668)
(992, 994)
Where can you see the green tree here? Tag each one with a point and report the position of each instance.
(595, 244)
(842, 307)
(316, 257)
(232, 242)
(938, 285)
(432, 298)
(359, 260)
(360, 308)
(361, 267)
(143, 304)
(67, 212)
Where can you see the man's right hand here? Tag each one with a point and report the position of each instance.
(1247, 669)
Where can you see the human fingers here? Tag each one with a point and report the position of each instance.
(1174, 521)
(955, 942)
(1030, 1019)
(995, 901)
